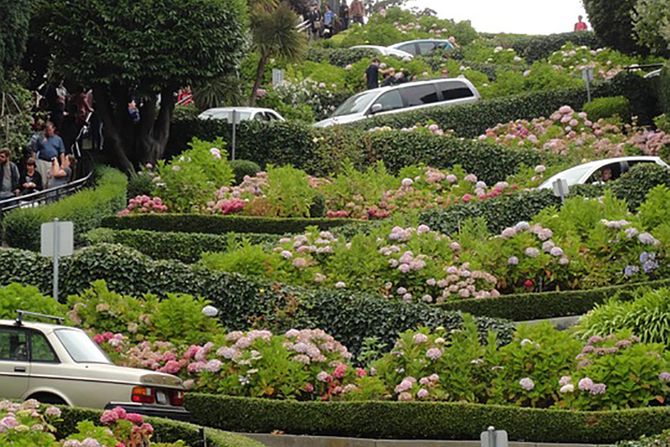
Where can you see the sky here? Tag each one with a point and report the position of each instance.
(510, 16)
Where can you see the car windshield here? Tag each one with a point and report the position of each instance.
(572, 176)
(80, 347)
(356, 104)
(227, 115)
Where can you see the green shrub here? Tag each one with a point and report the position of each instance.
(216, 224)
(534, 48)
(647, 316)
(85, 208)
(534, 306)
(18, 297)
(423, 420)
(662, 440)
(139, 184)
(288, 193)
(184, 247)
(608, 108)
(243, 302)
(634, 185)
(664, 89)
(242, 168)
(340, 57)
(165, 430)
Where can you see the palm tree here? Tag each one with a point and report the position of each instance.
(274, 34)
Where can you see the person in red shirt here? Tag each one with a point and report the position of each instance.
(580, 25)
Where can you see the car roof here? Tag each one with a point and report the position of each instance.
(607, 161)
(36, 325)
(238, 109)
(395, 45)
(411, 84)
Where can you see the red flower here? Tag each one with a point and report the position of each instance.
(529, 284)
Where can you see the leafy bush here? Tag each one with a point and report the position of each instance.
(85, 208)
(647, 315)
(340, 57)
(184, 247)
(422, 420)
(242, 168)
(613, 23)
(139, 184)
(242, 302)
(17, 297)
(534, 48)
(664, 89)
(289, 193)
(634, 185)
(608, 107)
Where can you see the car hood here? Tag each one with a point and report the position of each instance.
(344, 119)
(111, 372)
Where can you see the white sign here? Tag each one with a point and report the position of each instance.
(57, 239)
(587, 74)
(561, 188)
(277, 77)
(494, 438)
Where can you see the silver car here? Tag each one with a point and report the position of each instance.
(422, 47)
(403, 98)
(59, 364)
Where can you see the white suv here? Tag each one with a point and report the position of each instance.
(59, 364)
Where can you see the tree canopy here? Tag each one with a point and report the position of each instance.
(14, 18)
(652, 25)
(612, 21)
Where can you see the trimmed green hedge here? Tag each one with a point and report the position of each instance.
(634, 185)
(340, 57)
(165, 430)
(86, 208)
(184, 247)
(664, 89)
(535, 306)
(218, 224)
(349, 316)
(423, 420)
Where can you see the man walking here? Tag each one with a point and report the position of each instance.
(9, 176)
(372, 74)
(344, 15)
(357, 11)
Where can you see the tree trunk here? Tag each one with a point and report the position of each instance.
(260, 71)
(129, 143)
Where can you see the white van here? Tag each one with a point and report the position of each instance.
(403, 98)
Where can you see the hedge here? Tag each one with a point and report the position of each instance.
(535, 306)
(86, 208)
(634, 185)
(349, 316)
(218, 224)
(322, 151)
(184, 247)
(340, 57)
(535, 48)
(165, 430)
(423, 420)
(664, 89)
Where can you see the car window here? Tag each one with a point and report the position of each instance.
(455, 90)
(356, 104)
(409, 48)
(271, 116)
(260, 116)
(426, 47)
(419, 95)
(13, 344)
(606, 174)
(80, 347)
(390, 101)
(40, 349)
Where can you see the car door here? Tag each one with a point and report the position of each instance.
(417, 96)
(44, 363)
(14, 364)
(456, 92)
(390, 101)
(426, 48)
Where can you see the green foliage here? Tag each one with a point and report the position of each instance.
(340, 57)
(184, 247)
(164, 429)
(636, 183)
(18, 297)
(608, 108)
(247, 259)
(243, 303)
(242, 168)
(664, 89)
(15, 115)
(216, 224)
(651, 21)
(534, 48)
(139, 184)
(647, 315)
(85, 208)
(288, 193)
(14, 18)
(419, 420)
(613, 23)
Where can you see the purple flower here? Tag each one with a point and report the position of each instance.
(585, 384)
(522, 226)
(423, 229)
(565, 380)
(631, 270)
(556, 251)
(434, 353)
(420, 338)
(532, 252)
(647, 239)
(508, 232)
(513, 260)
(649, 266)
(527, 383)
(422, 394)
(664, 376)
(598, 388)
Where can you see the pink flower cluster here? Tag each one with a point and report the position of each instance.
(228, 206)
(144, 205)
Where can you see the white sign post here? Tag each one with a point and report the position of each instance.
(57, 239)
(561, 189)
(587, 75)
(234, 134)
(494, 438)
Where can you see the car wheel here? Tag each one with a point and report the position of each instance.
(48, 398)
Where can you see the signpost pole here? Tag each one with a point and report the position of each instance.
(56, 256)
(234, 134)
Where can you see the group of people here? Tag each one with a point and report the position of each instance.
(47, 165)
(389, 76)
(326, 23)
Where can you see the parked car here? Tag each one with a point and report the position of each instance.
(59, 364)
(385, 51)
(242, 114)
(600, 171)
(422, 47)
(402, 98)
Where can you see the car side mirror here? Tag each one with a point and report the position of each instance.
(376, 108)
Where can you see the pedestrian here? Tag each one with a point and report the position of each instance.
(9, 176)
(372, 74)
(344, 15)
(389, 78)
(31, 180)
(50, 147)
(314, 18)
(328, 22)
(580, 25)
(357, 11)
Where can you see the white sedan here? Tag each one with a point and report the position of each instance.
(241, 114)
(600, 170)
(385, 51)
(58, 364)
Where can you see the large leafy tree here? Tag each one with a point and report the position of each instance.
(612, 21)
(14, 17)
(144, 49)
(652, 25)
(274, 33)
